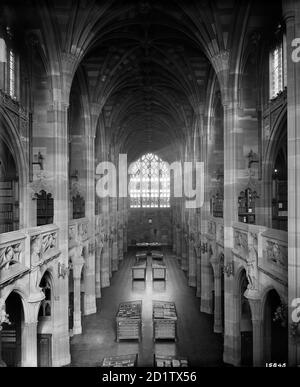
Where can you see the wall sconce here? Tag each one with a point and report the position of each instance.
(252, 157)
(150, 220)
(75, 175)
(62, 270)
(91, 248)
(39, 160)
(229, 269)
(203, 248)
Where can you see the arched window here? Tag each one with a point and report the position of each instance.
(149, 184)
(9, 79)
(45, 308)
(278, 65)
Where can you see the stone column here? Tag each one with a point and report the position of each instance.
(57, 122)
(29, 345)
(29, 332)
(77, 328)
(77, 269)
(232, 152)
(198, 280)
(291, 13)
(184, 251)
(99, 246)
(90, 278)
(125, 224)
(104, 266)
(218, 320)
(90, 283)
(2, 363)
(192, 264)
(120, 229)
(115, 253)
(257, 326)
(178, 245)
(206, 285)
(104, 270)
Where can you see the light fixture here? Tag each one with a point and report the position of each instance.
(39, 159)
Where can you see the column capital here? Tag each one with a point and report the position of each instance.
(256, 307)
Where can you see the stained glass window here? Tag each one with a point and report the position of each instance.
(149, 184)
(278, 68)
(12, 69)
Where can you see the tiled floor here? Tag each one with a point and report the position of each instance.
(196, 339)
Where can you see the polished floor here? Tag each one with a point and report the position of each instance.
(196, 339)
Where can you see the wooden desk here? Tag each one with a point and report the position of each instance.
(141, 257)
(139, 270)
(170, 361)
(129, 320)
(159, 271)
(164, 318)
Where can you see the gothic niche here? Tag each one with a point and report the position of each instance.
(78, 207)
(45, 308)
(217, 198)
(246, 206)
(216, 205)
(45, 208)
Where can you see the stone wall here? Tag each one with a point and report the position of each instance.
(140, 230)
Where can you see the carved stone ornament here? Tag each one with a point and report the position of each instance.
(9, 255)
(76, 189)
(277, 254)
(229, 269)
(251, 270)
(41, 183)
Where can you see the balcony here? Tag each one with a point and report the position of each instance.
(23, 251)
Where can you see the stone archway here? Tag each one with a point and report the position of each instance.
(275, 329)
(45, 323)
(12, 331)
(246, 328)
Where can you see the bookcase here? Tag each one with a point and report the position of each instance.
(129, 321)
(164, 320)
(9, 206)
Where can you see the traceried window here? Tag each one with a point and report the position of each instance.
(12, 73)
(149, 184)
(278, 67)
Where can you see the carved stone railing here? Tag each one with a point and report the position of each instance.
(43, 244)
(13, 105)
(14, 263)
(275, 254)
(215, 229)
(263, 250)
(78, 232)
(211, 228)
(23, 252)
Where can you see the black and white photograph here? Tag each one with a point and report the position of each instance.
(149, 186)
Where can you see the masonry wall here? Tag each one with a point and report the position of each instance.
(141, 230)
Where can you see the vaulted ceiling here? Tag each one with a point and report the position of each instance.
(146, 63)
(148, 69)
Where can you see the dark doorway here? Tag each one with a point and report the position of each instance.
(11, 334)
